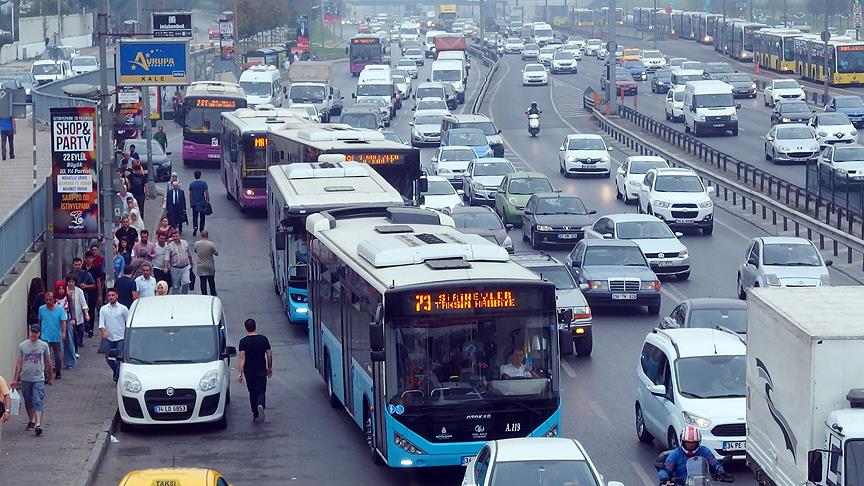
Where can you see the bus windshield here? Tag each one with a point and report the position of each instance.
(441, 361)
(254, 161)
(203, 120)
(366, 52)
(850, 61)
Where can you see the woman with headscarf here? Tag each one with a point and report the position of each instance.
(35, 300)
(69, 359)
(135, 220)
(162, 288)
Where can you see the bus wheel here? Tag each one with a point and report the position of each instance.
(227, 192)
(370, 436)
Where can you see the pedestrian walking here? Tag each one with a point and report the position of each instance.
(5, 401)
(138, 186)
(145, 249)
(199, 200)
(94, 264)
(125, 287)
(124, 250)
(175, 207)
(35, 300)
(79, 312)
(62, 301)
(145, 284)
(178, 259)
(136, 222)
(161, 138)
(205, 263)
(174, 178)
(133, 154)
(256, 364)
(52, 322)
(126, 232)
(33, 368)
(162, 288)
(159, 251)
(112, 326)
(7, 136)
(164, 228)
(83, 277)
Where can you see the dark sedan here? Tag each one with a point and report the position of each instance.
(792, 111)
(716, 70)
(614, 273)
(483, 221)
(661, 82)
(742, 85)
(555, 218)
(709, 313)
(636, 69)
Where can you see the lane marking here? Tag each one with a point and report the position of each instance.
(644, 476)
(600, 412)
(568, 369)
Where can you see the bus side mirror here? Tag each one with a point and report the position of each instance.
(281, 240)
(424, 184)
(233, 153)
(376, 336)
(814, 466)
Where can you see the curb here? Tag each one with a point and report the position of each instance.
(87, 476)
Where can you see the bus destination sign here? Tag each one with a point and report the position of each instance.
(225, 104)
(426, 302)
(379, 158)
(365, 40)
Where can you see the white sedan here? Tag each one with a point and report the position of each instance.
(441, 194)
(534, 74)
(833, 128)
(408, 66)
(583, 154)
(629, 176)
(783, 89)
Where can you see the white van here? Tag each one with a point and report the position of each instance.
(47, 71)
(450, 71)
(377, 84)
(457, 56)
(175, 367)
(709, 107)
(542, 33)
(263, 85)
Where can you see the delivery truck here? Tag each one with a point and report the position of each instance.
(449, 42)
(805, 386)
(310, 83)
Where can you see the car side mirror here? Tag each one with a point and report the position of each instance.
(167, 153)
(828, 263)
(499, 131)
(376, 336)
(608, 236)
(229, 352)
(281, 239)
(583, 286)
(668, 323)
(593, 211)
(679, 234)
(411, 124)
(709, 190)
(527, 212)
(508, 227)
(353, 96)
(737, 106)
(562, 148)
(814, 466)
(657, 390)
(610, 149)
(753, 261)
(428, 80)
(460, 192)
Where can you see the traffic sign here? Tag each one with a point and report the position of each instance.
(668, 10)
(856, 14)
(825, 36)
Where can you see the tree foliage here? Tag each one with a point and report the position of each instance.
(259, 15)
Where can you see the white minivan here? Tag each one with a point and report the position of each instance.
(263, 85)
(175, 366)
(450, 71)
(709, 107)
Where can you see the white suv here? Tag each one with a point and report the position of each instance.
(175, 367)
(678, 197)
(693, 377)
(783, 89)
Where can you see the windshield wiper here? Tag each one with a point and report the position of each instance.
(172, 361)
(799, 264)
(138, 360)
(729, 395)
(692, 395)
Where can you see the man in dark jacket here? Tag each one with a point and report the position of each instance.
(175, 207)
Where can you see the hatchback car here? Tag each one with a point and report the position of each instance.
(833, 128)
(693, 377)
(470, 137)
(791, 111)
(716, 70)
(513, 45)
(514, 192)
(843, 164)
(409, 66)
(629, 175)
(614, 273)
(483, 177)
(782, 89)
(534, 74)
(782, 261)
(673, 107)
(415, 54)
(545, 56)
(483, 221)
(624, 83)
(851, 105)
(664, 252)
(790, 143)
(451, 161)
(530, 52)
(678, 197)
(426, 128)
(555, 218)
(574, 313)
(636, 69)
(661, 81)
(708, 313)
(584, 154)
(742, 84)
(441, 194)
(533, 460)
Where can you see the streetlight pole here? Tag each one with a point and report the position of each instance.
(653, 23)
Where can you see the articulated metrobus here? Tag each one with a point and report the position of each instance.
(775, 49)
(413, 326)
(297, 190)
(603, 16)
(737, 39)
(245, 142)
(583, 17)
(202, 117)
(399, 164)
(845, 59)
(706, 27)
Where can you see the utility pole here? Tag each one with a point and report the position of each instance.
(826, 36)
(146, 123)
(611, 46)
(104, 153)
(654, 24)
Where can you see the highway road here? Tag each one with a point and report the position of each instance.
(307, 442)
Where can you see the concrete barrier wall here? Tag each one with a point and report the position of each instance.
(13, 308)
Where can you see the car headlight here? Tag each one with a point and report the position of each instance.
(543, 227)
(604, 158)
(785, 120)
(706, 204)
(825, 280)
(130, 382)
(700, 117)
(840, 171)
(209, 381)
(512, 200)
(598, 284)
(772, 280)
(683, 254)
(734, 117)
(571, 158)
(581, 311)
(651, 285)
(823, 134)
(854, 133)
(660, 204)
(443, 170)
(299, 298)
(477, 186)
(695, 420)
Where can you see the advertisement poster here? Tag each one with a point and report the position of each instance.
(226, 38)
(153, 62)
(75, 195)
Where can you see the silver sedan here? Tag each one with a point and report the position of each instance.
(791, 143)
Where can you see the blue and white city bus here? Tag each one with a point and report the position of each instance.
(417, 328)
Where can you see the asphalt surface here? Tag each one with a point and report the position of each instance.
(306, 442)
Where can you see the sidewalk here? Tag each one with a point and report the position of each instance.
(16, 175)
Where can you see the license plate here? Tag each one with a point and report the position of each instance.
(623, 296)
(467, 460)
(736, 445)
(719, 125)
(213, 156)
(683, 220)
(568, 236)
(664, 263)
(169, 408)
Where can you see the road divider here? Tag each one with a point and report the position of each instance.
(490, 59)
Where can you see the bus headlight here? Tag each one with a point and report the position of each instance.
(406, 445)
(299, 298)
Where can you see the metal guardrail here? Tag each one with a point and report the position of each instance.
(490, 58)
(768, 203)
(24, 226)
(839, 212)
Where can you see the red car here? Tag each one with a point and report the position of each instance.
(623, 82)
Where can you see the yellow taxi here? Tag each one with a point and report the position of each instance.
(174, 477)
(631, 53)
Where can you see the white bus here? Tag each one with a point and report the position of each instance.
(412, 324)
(263, 85)
(298, 190)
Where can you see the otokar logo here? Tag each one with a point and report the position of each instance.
(788, 435)
(478, 416)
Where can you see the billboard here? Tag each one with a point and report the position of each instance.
(226, 38)
(153, 62)
(75, 194)
(172, 24)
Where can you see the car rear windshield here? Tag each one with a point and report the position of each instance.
(732, 319)
(791, 255)
(485, 220)
(558, 275)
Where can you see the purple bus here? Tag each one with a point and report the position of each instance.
(365, 49)
(202, 117)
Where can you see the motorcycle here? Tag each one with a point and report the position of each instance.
(534, 124)
(699, 473)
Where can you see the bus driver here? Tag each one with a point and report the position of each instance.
(516, 368)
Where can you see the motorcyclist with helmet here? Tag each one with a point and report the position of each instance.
(534, 110)
(675, 466)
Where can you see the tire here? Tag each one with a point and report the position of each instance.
(767, 157)
(671, 439)
(584, 346)
(735, 132)
(668, 118)
(608, 175)
(370, 439)
(533, 239)
(654, 309)
(618, 194)
(686, 128)
(684, 276)
(567, 350)
(708, 229)
(695, 130)
(561, 170)
(742, 294)
(638, 207)
(765, 100)
(524, 236)
(228, 396)
(642, 433)
(124, 427)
